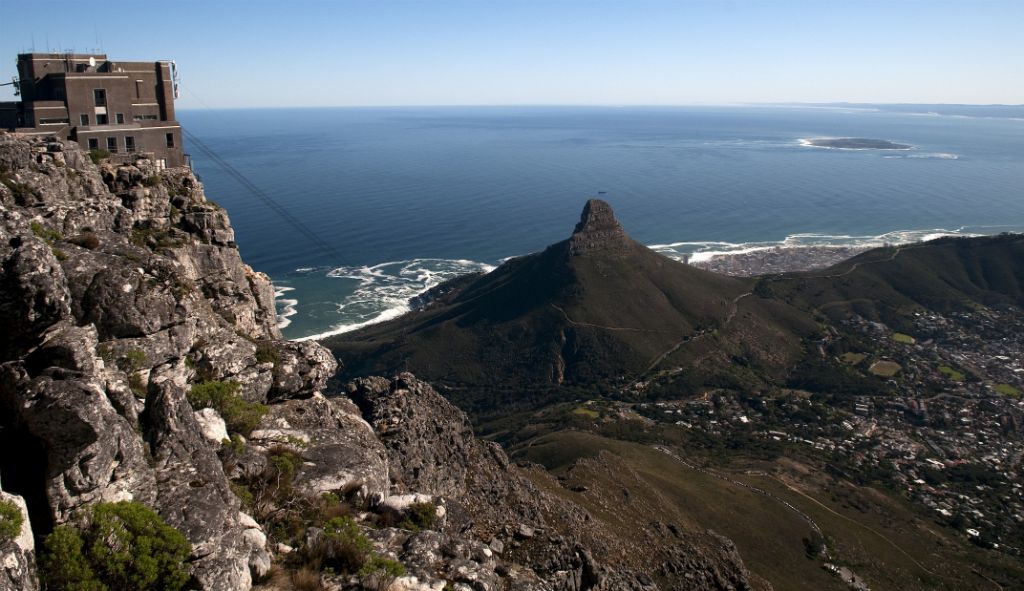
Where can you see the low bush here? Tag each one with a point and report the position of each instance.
(98, 156)
(266, 352)
(116, 547)
(155, 238)
(306, 579)
(419, 516)
(133, 360)
(379, 572)
(41, 231)
(341, 546)
(241, 416)
(11, 521)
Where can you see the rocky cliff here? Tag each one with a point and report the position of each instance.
(141, 362)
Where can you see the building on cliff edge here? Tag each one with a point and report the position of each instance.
(125, 108)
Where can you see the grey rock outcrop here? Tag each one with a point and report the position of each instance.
(597, 230)
(340, 451)
(122, 288)
(18, 554)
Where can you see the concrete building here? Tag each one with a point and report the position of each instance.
(125, 108)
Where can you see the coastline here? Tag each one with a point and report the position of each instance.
(380, 296)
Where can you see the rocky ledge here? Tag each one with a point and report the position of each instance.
(141, 363)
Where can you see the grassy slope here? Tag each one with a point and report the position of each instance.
(881, 537)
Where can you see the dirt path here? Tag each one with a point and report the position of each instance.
(861, 525)
(814, 525)
(589, 325)
(696, 336)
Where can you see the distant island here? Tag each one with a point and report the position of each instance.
(854, 143)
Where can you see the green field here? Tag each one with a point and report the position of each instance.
(587, 412)
(853, 358)
(1007, 390)
(951, 373)
(885, 369)
(906, 339)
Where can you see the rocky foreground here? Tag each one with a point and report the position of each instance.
(141, 363)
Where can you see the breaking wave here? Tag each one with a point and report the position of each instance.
(286, 307)
(701, 252)
(377, 293)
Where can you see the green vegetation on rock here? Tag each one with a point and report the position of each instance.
(11, 521)
(50, 236)
(116, 547)
(98, 156)
(241, 416)
(419, 516)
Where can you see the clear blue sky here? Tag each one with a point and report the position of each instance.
(256, 53)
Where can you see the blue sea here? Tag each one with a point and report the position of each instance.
(400, 199)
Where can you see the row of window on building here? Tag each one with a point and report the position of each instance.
(129, 143)
(101, 119)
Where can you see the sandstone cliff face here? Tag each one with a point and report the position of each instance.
(121, 287)
(122, 291)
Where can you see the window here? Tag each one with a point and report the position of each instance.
(101, 119)
(138, 89)
(112, 145)
(129, 143)
(84, 119)
(144, 117)
(94, 144)
(119, 118)
(52, 120)
(99, 96)
(170, 140)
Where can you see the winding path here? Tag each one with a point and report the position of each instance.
(814, 525)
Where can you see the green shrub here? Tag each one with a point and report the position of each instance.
(379, 572)
(98, 156)
(152, 180)
(50, 236)
(241, 416)
(155, 238)
(284, 464)
(133, 360)
(63, 565)
(243, 492)
(419, 516)
(59, 254)
(116, 547)
(23, 194)
(341, 546)
(266, 352)
(11, 520)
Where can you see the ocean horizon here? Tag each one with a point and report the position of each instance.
(406, 198)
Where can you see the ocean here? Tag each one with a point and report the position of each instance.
(400, 199)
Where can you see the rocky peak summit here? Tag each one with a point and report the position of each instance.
(598, 230)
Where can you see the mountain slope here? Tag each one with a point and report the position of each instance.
(593, 309)
(886, 284)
